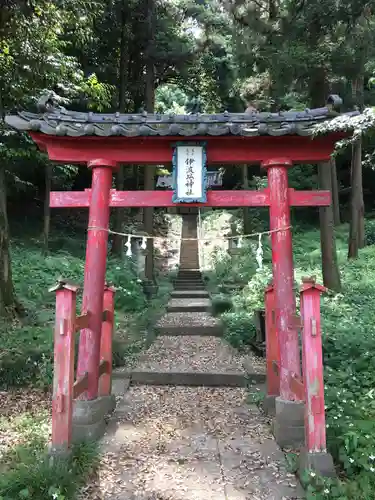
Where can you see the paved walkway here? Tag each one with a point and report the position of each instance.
(183, 428)
(187, 441)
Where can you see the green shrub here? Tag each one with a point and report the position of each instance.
(348, 322)
(34, 475)
(239, 328)
(221, 304)
(26, 356)
(370, 232)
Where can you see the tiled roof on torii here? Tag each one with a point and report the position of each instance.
(56, 120)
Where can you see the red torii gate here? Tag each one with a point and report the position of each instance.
(103, 141)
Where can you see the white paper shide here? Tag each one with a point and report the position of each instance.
(190, 172)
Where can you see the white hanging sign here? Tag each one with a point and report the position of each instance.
(189, 173)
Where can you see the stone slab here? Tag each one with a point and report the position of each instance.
(170, 479)
(288, 425)
(119, 385)
(189, 286)
(189, 279)
(202, 331)
(187, 294)
(269, 405)
(319, 462)
(198, 307)
(184, 443)
(256, 468)
(193, 379)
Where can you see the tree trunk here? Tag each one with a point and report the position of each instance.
(356, 228)
(331, 273)
(246, 212)
(361, 203)
(149, 177)
(47, 209)
(335, 194)
(9, 306)
(118, 240)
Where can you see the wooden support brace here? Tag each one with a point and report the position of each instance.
(297, 386)
(272, 344)
(80, 385)
(63, 376)
(105, 370)
(82, 321)
(276, 367)
(315, 427)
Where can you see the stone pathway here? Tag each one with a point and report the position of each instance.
(169, 443)
(183, 428)
(185, 440)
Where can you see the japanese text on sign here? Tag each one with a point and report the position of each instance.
(190, 173)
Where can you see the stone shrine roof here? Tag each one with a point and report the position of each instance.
(56, 120)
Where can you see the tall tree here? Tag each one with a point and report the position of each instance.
(149, 175)
(335, 193)
(118, 239)
(331, 273)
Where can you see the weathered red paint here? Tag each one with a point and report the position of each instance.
(95, 267)
(272, 344)
(283, 273)
(315, 426)
(76, 199)
(80, 385)
(297, 386)
(63, 370)
(158, 150)
(309, 198)
(106, 340)
(82, 322)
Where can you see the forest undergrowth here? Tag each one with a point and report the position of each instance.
(348, 320)
(26, 364)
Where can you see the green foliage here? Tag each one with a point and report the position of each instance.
(27, 471)
(232, 269)
(348, 346)
(221, 304)
(239, 327)
(370, 232)
(255, 398)
(34, 475)
(27, 349)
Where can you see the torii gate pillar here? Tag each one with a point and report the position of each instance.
(95, 268)
(289, 418)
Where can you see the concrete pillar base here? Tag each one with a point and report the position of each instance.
(320, 462)
(89, 418)
(288, 426)
(269, 405)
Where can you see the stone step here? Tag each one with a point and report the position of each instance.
(182, 331)
(189, 276)
(190, 272)
(189, 305)
(192, 379)
(190, 294)
(189, 279)
(122, 377)
(194, 361)
(197, 281)
(189, 286)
